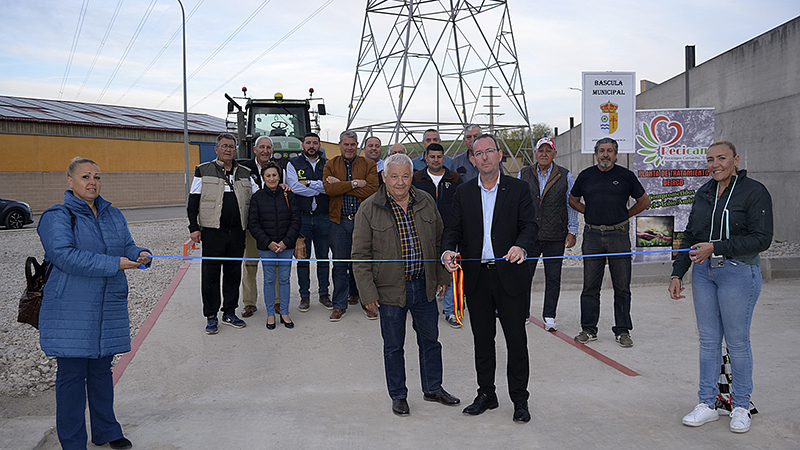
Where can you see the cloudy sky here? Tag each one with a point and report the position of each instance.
(291, 45)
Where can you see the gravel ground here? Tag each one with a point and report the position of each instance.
(25, 371)
(27, 375)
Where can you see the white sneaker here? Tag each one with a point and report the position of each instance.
(550, 324)
(702, 414)
(740, 420)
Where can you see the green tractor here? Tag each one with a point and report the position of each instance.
(286, 122)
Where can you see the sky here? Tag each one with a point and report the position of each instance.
(289, 46)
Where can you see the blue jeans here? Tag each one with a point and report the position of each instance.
(552, 273)
(77, 379)
(424, 317)
(315, 228)
(448, 306)
(614, 241)
(344, 284)
(284, 274)
(724, 299)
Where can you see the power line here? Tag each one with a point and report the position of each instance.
(251, 63)
(128, 48)
(99, 49)
(213, 54)
(72, 49)
(163, 49)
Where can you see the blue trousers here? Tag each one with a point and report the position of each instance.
(344, 284)
(424, 317)
(316, 229)
(724, 299)
(284, 275)
(76, 380)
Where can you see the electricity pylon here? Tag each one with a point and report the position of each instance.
(427, 60)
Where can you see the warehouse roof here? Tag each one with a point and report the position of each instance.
(22, 109)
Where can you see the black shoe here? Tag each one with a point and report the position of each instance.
(481, 404)
(289, 325)
(442, 397)
(400, 407)
(521, 414)
(121, 443)
(270, 326)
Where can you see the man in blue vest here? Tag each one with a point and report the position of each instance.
(550, 185)
(304, 176)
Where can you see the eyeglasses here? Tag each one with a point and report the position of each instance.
(487, 152)
(227, 147)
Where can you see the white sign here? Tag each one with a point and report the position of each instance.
(609, 109)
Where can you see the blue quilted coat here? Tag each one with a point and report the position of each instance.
(84, 310)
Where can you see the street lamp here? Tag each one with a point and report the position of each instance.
(187, 175)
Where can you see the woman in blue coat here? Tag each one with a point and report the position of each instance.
(83, 320)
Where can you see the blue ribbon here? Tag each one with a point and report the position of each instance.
(227, 258)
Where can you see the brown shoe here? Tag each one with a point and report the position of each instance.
(337, 315)
(325, 301)
(371, 315)
(249, 310)
(303, 306)
(353, 299)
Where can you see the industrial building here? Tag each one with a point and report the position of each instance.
(140, 151)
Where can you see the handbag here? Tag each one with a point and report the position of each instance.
(300, 243)
(31, 301)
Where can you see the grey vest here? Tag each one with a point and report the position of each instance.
(551, 207)
(214, 188)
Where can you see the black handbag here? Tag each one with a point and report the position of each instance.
(31, 301)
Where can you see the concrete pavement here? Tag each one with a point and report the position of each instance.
(321, 384)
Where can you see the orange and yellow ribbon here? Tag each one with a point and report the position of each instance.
(458, 290)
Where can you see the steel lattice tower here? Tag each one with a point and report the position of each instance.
(428, 61)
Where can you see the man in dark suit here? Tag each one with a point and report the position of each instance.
(493, 223)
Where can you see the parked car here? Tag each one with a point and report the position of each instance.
(14, 214)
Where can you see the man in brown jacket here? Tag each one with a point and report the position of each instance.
(348, 179)
(403, 224)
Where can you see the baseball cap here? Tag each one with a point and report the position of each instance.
(546, 140)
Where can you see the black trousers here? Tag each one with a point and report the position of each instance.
(488, 297)
(221, 242)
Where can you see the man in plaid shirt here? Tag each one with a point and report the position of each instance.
(398, 231)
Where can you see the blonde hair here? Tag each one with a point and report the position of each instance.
(77, 161)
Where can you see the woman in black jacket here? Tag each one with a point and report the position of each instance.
(730, 223)
(274, 223)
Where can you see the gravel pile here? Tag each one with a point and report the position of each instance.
(24, 368)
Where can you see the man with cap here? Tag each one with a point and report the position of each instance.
(550, 185)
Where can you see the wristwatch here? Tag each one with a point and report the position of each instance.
(355, 184)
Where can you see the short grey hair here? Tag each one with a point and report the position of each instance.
(471, 126)
(255, 144)
(227, 136)
(77, 161)
(398, 159)
(349, 133)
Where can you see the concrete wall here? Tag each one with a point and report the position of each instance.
(755, 90)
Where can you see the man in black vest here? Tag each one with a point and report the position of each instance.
(550, 185)
(304, 177)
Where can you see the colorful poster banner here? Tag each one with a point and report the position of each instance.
(670, 161)
(609, 109)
